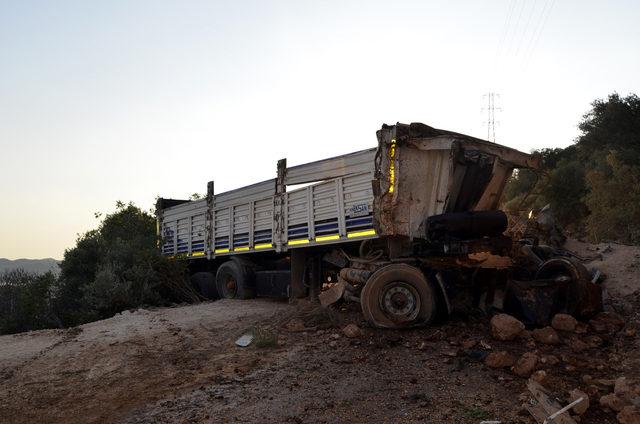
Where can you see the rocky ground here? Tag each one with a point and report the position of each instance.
(308, 364)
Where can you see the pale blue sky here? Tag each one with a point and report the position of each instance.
(125, 100)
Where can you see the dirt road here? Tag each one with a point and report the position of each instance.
(106, 370)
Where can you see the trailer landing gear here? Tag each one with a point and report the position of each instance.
(398, 296)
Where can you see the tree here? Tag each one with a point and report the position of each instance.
(612, 124)
(25, 301)
(614, 202)
(585, 182)
(118, 266)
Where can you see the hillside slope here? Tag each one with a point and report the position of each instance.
(37, 266)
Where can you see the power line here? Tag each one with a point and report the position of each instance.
(515, 28)
(536, 28)
(505, 30)
(537, 36)
(526, 27)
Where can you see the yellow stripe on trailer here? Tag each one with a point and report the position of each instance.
(197, 254)
(327, 238)
(392, 166)
(362, 233)
(300, 241)
(263, 246)
(241, 249)
(221, 251)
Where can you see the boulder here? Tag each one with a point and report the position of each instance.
(564, 322)
(546, 335)
(612, 401)
(505, 327)
(629, 415)
(579, 408)
(526, 364)
(352, 331)
(500, 359)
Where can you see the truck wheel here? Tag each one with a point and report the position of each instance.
(205, 282)
(582, 298)
(234, 280)
(398, 296)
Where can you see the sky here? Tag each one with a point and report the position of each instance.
(103, 101)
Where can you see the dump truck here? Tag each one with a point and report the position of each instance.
(410, 229)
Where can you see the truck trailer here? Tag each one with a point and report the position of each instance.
(407, 229)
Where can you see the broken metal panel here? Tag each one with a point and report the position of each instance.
(491, 196)
(422, 171)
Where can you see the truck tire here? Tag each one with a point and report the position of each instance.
(398, 296)
(582, 298)
(235, 280)
(205, 282)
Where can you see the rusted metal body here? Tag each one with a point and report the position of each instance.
(422, 171)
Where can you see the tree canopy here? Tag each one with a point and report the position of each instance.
(591, 185)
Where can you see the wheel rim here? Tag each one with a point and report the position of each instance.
(400, 301)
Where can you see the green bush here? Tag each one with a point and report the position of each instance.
(25, 301)
(614, 202)
(587, 187)
(118, 267)
(112, 268)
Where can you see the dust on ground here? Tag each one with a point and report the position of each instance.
(181, 365)
(620, 264)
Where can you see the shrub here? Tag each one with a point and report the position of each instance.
(614, 202)
(118, 267)
(25, 301)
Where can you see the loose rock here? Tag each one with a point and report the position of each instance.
(577, 345)
(526, 364)
(352, 331)
(539, 376)
(621, 386)
(629, 415)
(564, 322)
(469, 343)
(546, 335)
(295, 325)
(505, 327)
(581, 328)
(607, 322)
(612, 401)
(549, 360)
(499, 359)
(581, 407)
